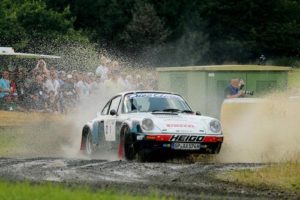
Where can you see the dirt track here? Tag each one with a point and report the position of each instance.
(184, 181)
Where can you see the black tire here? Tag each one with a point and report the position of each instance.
(90, 148)
(129, 144)
(143, 155)
(216, 149)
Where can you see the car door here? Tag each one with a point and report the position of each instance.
(111, 119)
(98, 125)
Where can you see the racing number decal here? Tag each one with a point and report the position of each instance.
(110, 130)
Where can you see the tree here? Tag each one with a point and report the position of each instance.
(242, 30)
(38, 20)
(105, 20)
(145, 28)
(11, 31)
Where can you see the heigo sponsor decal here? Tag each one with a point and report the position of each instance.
(180, 125)
(186, 138)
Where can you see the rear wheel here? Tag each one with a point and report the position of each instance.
(90, 148)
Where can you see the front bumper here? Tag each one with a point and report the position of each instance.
(165, 142)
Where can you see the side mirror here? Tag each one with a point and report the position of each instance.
(113, 112)
(198, 113)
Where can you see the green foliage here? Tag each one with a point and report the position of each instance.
(11, 32)
(106, 18)
(287, 61)
(35, 17)
(242, 31)
(209, 31)
(145, 28)
(24, 24)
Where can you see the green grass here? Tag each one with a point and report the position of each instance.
(24, 191)
(6, 141)
(42, 140)
(12, 140)
(284, 176)
(294, 78)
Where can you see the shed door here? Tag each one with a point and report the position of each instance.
(216, 85)
(264, 82)
(179, 83)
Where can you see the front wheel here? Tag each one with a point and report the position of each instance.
(129, 144)
(143, 155)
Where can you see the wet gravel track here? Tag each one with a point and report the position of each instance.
(183, 181)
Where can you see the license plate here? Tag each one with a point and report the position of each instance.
(186, 146)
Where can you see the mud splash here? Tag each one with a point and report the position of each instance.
(261, 130)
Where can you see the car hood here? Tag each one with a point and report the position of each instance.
(177, 122)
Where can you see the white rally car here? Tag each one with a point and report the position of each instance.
(142, 123)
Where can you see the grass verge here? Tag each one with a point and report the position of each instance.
(28, 191)
(294, 78)
(6, 141)
(38, 140)
(284, 176)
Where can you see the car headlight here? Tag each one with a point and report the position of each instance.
(215, 126)
(147, 124)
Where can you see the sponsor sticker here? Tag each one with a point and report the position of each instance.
(158, 95)
(186, 138)
(180, 125)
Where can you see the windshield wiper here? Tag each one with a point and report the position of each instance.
(171, 110)
(156, 111)
(186, 111)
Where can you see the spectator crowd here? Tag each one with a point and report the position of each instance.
(46, 89)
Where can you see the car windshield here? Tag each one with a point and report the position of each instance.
(154, 102)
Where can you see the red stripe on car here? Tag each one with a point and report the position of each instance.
(212, 139)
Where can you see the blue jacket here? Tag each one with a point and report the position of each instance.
(4, 85)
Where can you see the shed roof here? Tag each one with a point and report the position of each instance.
(224, 68)
(9, 51)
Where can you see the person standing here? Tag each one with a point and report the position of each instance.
(233, 90)
(52, 83)
(41, 69)
(4, 85)
(82, 87)
(102, 69)
(36, 96)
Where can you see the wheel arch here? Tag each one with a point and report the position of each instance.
(133, 125)
(86, 129)
(123, 152)
(123, 125)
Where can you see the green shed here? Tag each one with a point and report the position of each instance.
(204, 86)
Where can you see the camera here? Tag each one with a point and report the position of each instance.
(246, 92)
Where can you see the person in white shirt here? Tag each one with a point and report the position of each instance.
(52, 83)
(102, 69)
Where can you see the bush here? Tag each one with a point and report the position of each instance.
(286, 61)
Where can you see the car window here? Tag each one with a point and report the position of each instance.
(149, 102)
(105, 109)
(115, 104)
